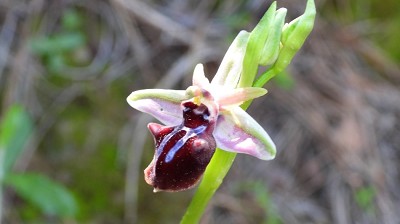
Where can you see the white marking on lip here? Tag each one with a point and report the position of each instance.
(190, 132)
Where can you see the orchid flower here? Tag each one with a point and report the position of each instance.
(204, 116)
(207, 115)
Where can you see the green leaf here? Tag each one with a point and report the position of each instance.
(15, 129)
(58, 43)
(69, 41)
(56, 63)
(42, 45)
(51, 197)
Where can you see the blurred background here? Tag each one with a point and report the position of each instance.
(74, 151)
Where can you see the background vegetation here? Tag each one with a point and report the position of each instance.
(72, 150)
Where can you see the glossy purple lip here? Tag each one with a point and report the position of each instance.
(183, 151)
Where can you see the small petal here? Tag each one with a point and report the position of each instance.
(238, 96)
(237, 131)
(294, 34)
(199, 78)
(162, 104)
(272, 45)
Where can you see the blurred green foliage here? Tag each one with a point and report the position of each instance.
(58, 50)
(50, 197)
(15, 129)
(87, 136)
(263, 199)
(377, 20)
(365, 198)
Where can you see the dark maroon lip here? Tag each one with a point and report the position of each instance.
(183, 151)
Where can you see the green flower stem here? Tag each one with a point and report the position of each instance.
(265, 77)
(215, 173)
(219, 166)
(262, 80)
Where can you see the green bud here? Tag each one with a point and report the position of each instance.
(255, 46)
(294, 34)
(271, 48)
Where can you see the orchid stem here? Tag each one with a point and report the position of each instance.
(265, 77)
(215, 173)
(216, 170)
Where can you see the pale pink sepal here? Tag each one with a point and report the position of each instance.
(229, 71)
(237, 131)
(164, 105)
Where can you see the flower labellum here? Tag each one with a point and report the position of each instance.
(183, 151)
